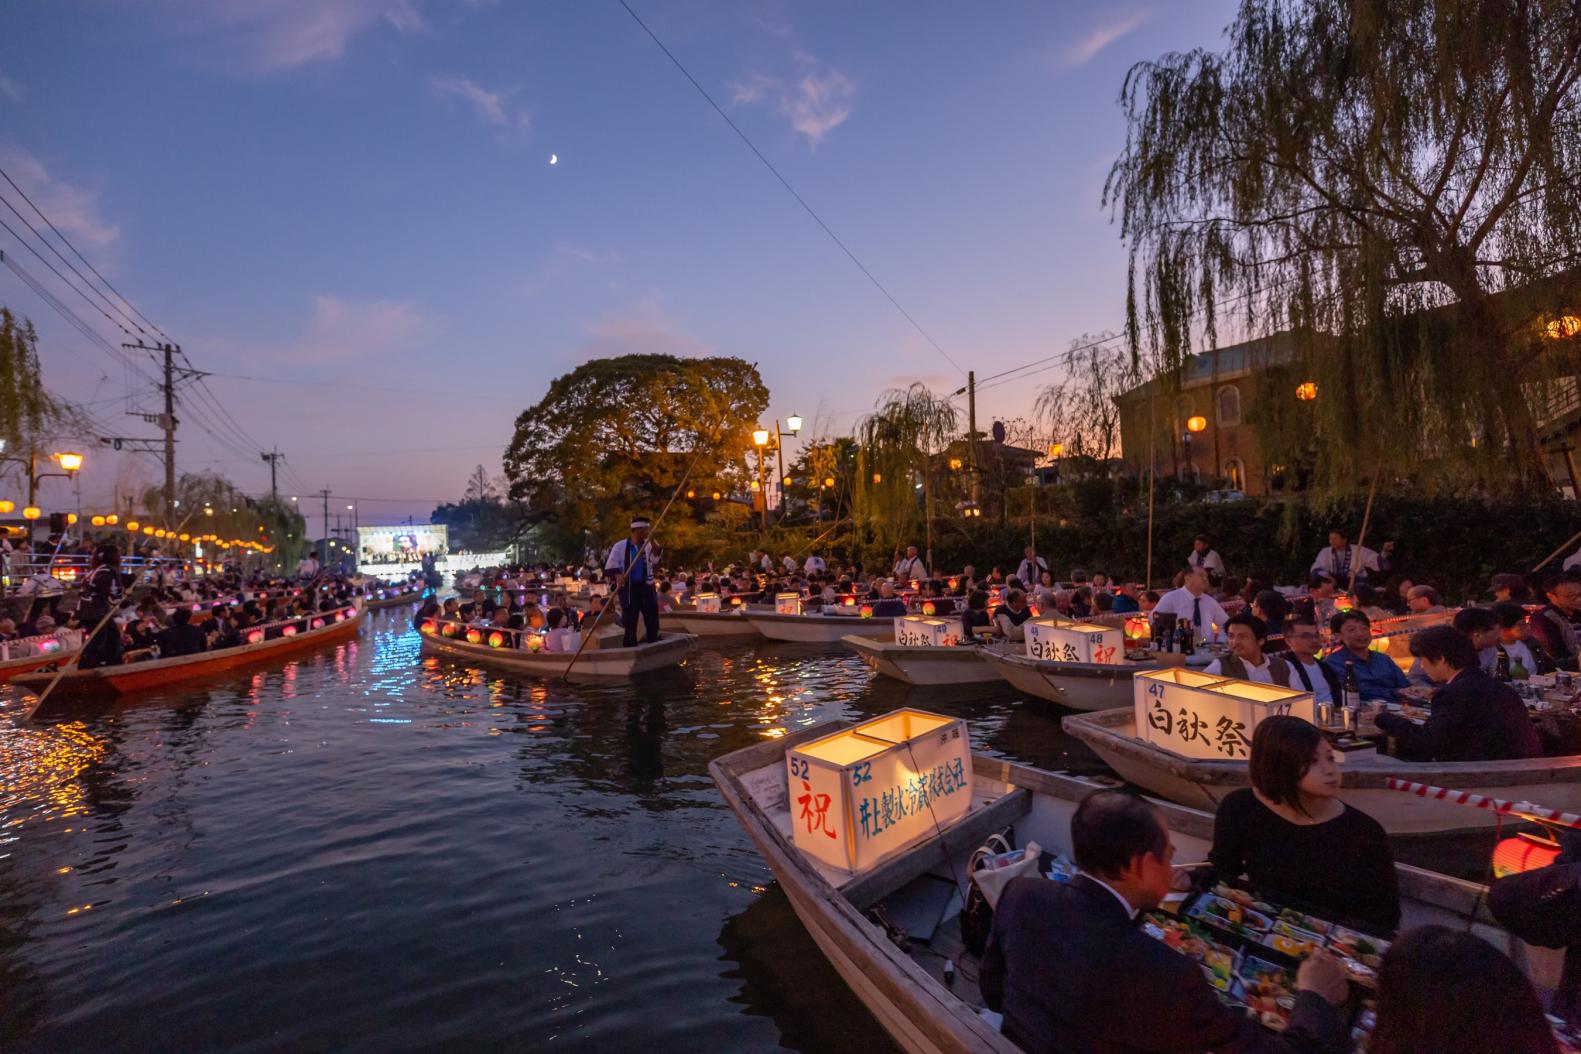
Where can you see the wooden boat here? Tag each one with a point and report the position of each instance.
(1077, 685)
(822, 628)
(294, 635)
(506, 648)
(26, 654)
(711, 626)
(1553, 782)
(907, 992)
(376, 602)
(956, 664)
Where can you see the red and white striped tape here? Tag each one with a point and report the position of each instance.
(1478, 801)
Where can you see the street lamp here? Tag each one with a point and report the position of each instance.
(69, 461)
(1056, 451)
(1194, 424)
(760, 439)
(792, 428)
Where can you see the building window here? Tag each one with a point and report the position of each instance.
(1229, 405)
(1234, 474)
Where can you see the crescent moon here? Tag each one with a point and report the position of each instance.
(554, 159)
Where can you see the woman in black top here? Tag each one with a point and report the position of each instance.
(1289, 832)
(975, 617)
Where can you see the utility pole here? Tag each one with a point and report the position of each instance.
(273, 458)
(167, 421)
(971, 430)
(324, 547)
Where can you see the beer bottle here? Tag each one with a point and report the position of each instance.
(1352, 687)
(1501, 668)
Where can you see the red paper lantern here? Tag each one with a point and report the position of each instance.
(448, 629)
(317, 623)
(928, 608)
(496, 639)
(474, 636)
(289, 631)
(866, 611)
(429, 627)
(255, 637)
(1524, 852)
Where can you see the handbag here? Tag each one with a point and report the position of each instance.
(993, 864)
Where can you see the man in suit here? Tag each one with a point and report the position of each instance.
(1473, 717)
(181, 637)
(1072, 974)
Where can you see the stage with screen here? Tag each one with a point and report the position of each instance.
(407, 544)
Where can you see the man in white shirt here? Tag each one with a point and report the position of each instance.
(1192, 602)
(1302, 643)
(813, 565)
(307, 567)
(1205, 556)
(788, 563)
(1246, 661)
(1340, 556)
(910, 568)
(1031, 568)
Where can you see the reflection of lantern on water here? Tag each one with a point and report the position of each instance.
(1137, 627)
(928, 608)
(1524, 852)
(255, 637)
(474, 636)
(1306, 391)
(534, 642)
(448, 629)
(866, 611)
(496, 639)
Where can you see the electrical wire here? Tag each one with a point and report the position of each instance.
(70, 266)
(305, 383)
(792, 190)
(79, 255)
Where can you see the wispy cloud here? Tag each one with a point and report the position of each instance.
(646, 329)
(275, 35)
(342, 329)
(10, 89)
(816, 101)
(589, 257)
(1088, 47)
(71, 208)
(492, 107)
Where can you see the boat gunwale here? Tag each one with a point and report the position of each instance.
(592, 658)
(1089, 670)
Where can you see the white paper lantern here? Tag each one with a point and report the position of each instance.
(708, 603)
(1061, 640)
(1198, 715)
(873, 790)
(787, 603)
(922, 631)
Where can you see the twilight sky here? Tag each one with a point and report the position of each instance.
(336, 196)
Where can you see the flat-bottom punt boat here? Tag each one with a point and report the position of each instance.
(274, 640)
(904, 987)
(711, 626)
(26, 654)
(1077, 685)
(378, 603)
(505, 648)
(821, 628)
(924, 665)
(1551, 782)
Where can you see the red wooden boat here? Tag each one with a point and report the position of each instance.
(26, 654)
(274, 639)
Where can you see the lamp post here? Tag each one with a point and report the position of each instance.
(1193, 425)
(68, 460)
(356, 540)
(760, 439)
(792, 427)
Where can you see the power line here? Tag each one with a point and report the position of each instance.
(79, 255)
(26, 245)
(310, 384)
(72, 267)
(786, 184)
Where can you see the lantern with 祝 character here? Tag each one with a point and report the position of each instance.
(787, 603)
(870, 791)
(922, 631)
(1199, 715)
(1058, 640)
(708, 603)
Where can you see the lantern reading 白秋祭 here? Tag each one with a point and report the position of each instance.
(707, 603)
(1199, 715)
(879, 787)
(921, 631)
(1061, 640)
(787, 603)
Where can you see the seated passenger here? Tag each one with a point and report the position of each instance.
(975, 618)
(1289, 832)
(1009, 619)
(1376, 673)
(1473, 717)
(887, 604)
(182, 638)
(1071, 971)
(1246, 661)
(560, 637)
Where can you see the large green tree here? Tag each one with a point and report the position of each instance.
(615, 437)
(1395, 178)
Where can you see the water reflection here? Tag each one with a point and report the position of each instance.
(364, 849)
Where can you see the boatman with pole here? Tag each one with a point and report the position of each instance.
(633, 560)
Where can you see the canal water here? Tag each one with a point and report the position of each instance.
(368, 851)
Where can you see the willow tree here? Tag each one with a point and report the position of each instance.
(1079, 411)
(26, 409)
(1392, 180)
(897, 445)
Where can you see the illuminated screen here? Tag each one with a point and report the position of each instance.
(406, 542)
